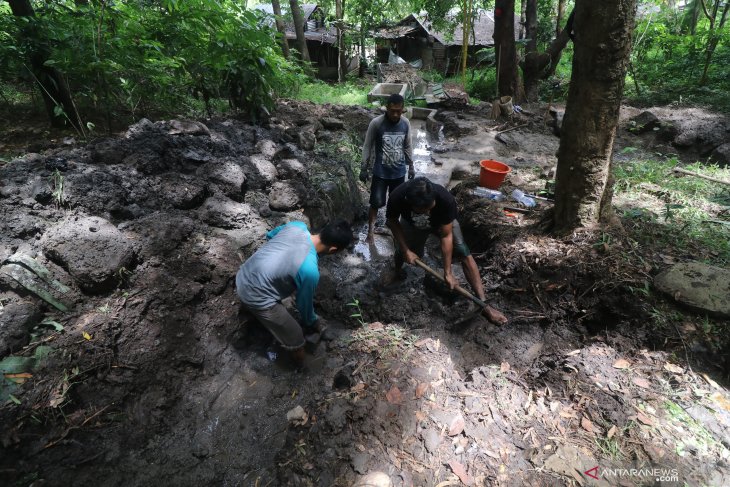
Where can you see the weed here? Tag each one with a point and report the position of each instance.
(349, 93)
(644, 291)
(388, 341)
(123, 275)
(609, 447)
(57, 188)
(105, 309)
(358, 311)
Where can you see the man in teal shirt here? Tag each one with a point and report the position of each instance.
(288, 263)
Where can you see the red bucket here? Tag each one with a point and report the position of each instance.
(492, 173)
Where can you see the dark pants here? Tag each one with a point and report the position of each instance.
(380, 187)
(416, 241)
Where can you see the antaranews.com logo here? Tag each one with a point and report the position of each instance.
(655, 474)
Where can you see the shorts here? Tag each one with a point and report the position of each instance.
(379, 187)
(416, 240)
(281, 324)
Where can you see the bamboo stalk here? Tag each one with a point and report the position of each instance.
(690, 173)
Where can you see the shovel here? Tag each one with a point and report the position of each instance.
(458, 289)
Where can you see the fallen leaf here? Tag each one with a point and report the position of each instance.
(710, 381)
(360, 386)
(676, 369)
(621, 364)
(611, 432)
(457, 425)
(394, 396)
(641, 382)
(492, 454)
(643, 418)
(567, 413)
(375, 326)
(86, 335)
(460, 472)
(422, 342)
(421, 389)
(421, 416)
(586, 424)
(574, 352)
(504, 367)
(721, 400)
(14, 399)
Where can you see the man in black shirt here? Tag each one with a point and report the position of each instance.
(419, 208)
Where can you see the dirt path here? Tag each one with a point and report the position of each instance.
(156, 380)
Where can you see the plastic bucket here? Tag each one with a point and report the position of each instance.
(492, 173)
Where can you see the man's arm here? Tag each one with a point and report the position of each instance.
(394, 225)
(306, 281)
(447, 249)
(271, 234)
(367, 146)
(408, 151)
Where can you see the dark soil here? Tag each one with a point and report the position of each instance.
(156, 377)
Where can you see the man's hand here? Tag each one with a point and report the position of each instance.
(410, 257)
(364, 176)
(450, 280)
(411, 172)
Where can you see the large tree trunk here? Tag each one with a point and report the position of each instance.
(53, 88)
(531, 18)
(603, 32)
(276, 6)
(341, 66)
(542, 65)
(508, 78)
(298, 18)
(363, 59)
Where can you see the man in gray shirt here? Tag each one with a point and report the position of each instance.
(288, 262)
(388, 147)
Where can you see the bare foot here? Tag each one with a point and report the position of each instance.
(494, 316)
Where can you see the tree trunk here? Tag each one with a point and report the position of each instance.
(363, 60)
(559, 17)
(508, 78)
(466, 7)
(341, 67)
(542, 65)
(276, 6)
(54, 90)
(523, 19)
(298, 17)
(603, 32)
(714, 38)
(531, 16)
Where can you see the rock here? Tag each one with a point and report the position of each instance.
(260, 172)
(228, 175)
(283, 197)
(177, 190)
(643, 122)
(359, 462)
(222, 212)
(456, 425)
(287, 151)
(431, 440)
(307, 140)
(557, 121)
(297, 415)
(374, 479)
(91, 249)
(107, 151)
(702, 287)
(187, 127)
(721, 155)
(331, 123)
(16, 320)
(667, 132)
(139, 128)
(290, 169)
(267, 148)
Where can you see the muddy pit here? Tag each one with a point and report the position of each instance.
(157, 378)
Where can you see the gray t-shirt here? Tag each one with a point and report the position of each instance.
(389, 145)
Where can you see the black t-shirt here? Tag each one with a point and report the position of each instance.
(443, 213)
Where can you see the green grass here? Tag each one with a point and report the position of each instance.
(348, 93)
(676, 213)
